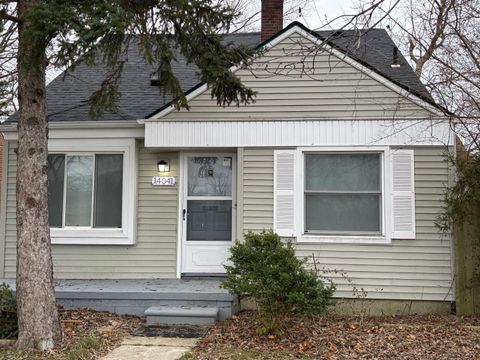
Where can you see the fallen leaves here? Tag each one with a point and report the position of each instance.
(304, 346)
(402, 337)
(80, 323)
(411, 337)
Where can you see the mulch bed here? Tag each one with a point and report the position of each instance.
(400, 337)
(78, 323)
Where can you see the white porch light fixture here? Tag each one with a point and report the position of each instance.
(163, 166)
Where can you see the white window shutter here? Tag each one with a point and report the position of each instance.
(284, 192)
(403, 194)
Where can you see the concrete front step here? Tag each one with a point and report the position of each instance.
(133, 297)
(192, 315)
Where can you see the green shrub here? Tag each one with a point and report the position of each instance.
(8, 313)
(267, 269)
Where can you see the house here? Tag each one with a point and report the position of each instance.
(343, 152)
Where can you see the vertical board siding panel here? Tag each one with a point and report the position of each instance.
(154, 252)
(419, 269)
(160, 128)
(228, 132)
(184, 133)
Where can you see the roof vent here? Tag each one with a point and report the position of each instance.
(154, 80)
(395, 63)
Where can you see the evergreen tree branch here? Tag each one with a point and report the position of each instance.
(6, 16)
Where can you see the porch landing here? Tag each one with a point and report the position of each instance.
(133, 297)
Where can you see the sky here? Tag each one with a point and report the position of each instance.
(321, 10)
(314, 14)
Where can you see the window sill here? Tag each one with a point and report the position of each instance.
(89, 236)
(342, 239)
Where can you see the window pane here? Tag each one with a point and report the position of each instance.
(210, 176)
(330, 172)
(108, 190)
(209, 220)
(56, 171)
(79, 190)
(343, 213)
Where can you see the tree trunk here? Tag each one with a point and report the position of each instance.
(38, 322)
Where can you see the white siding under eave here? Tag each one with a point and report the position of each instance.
(284, 133)
(419, 269)
(294, 82)
(154, 252)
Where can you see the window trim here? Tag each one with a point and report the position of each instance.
(87, 235)
(383, 237)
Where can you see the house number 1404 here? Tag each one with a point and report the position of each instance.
(163, 181)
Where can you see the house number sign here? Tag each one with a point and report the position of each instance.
(163, 181)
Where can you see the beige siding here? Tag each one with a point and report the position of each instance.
(152, 256)
(326, 88)
(419, 269)
(3, 205)
(257, 189)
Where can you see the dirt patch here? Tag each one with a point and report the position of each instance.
(394, 337)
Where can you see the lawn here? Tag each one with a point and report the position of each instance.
(86, 335)
(401, 337)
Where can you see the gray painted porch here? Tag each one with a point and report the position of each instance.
(133, 297)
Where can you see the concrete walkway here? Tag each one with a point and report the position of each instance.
(151, 348)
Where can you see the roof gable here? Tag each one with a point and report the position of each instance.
(68, 94)
(293, 61)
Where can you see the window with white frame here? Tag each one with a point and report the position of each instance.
(85, 190)
(343, 193)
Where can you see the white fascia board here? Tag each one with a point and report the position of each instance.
(96, 124)
(170, 108)
(85, 129)
(342, 56)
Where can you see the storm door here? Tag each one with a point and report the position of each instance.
(208, 212)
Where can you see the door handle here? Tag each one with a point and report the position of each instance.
(184, 212)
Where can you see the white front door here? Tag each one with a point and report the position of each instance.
(208, 212)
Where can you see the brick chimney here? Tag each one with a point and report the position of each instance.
(272, 18)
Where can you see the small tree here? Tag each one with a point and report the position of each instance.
(463, 197)
(267, 269)
(59, 33)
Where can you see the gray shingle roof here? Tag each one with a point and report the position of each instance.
(67, 94)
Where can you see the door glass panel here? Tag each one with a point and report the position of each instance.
(210, 176)
(78, 211)
(209, 220)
